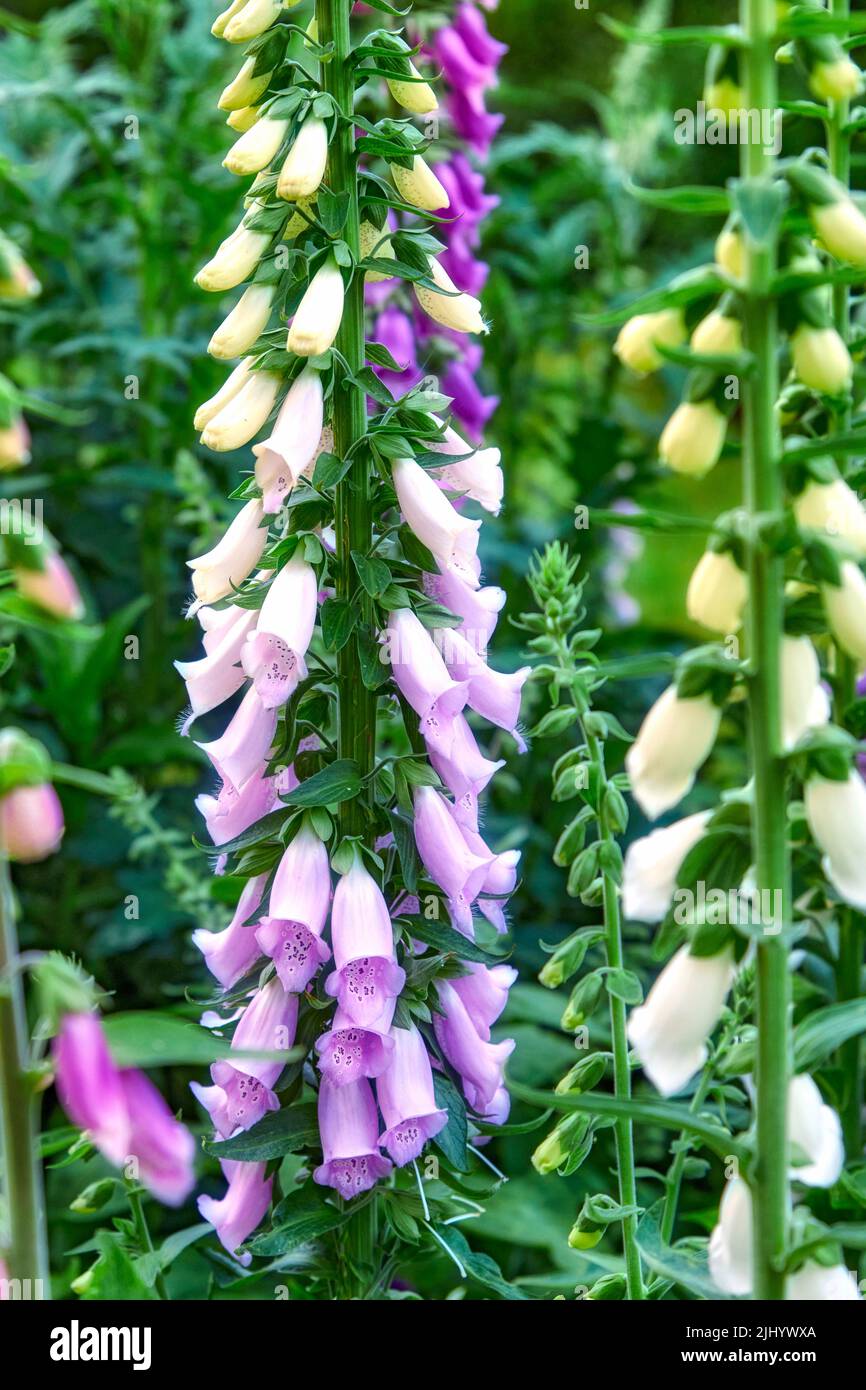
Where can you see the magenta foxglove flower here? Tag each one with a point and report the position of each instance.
(494, 695)
(348, 1124)
(394, 331)
(469, 24)
(406, 1098)
(446, 855)
(451, 537)
(347, 1052)
(484, 992)
(233, 810)
(464, 770)
(31, 823)
(217, 675)
(294, 441)
(230, 953)
(468, 402)
(242, 1090)
(479, 608)
(496, 1113)
(478, 1062)
(292, 934)
(238, 1213)
(421, 677)
(239, 753)
(273, 655)
(367, 976)
(162, 1147)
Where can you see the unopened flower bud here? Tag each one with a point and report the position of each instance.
(245, 89)
(462, 312)
(257, 147)
(821, 359)
(419, 186)
(692, 439)
(838, 80)
(717, 592)
(638, 340)
(718, 335)
(304, 166)
(245, 324)
(318, 316)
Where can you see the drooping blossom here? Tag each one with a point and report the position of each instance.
(273, 655)
(366, 976)
(406, 1097)
(349, 1128)
(478, 1062)
(241, 1092)
(229, 954)
(300, 897)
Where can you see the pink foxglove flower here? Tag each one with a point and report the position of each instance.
(479, 608)
(349, 1127)
(242, 1090)
(407, 1099)
(445, 854)
(244, 746)
(50, 587)
(216, 676)
(348, 1052)
(464, 770)
(477, 473)
(478, 1062)
(233, 810)
(292, 934)
(231, 953)
(223, 569)
(484, 992)
(239, 1212)
(494, 695)
(294, 440)
(161, 1147)
(31, 823)
(452, 538)
(273, 655)
(421, 677)
(367, 976)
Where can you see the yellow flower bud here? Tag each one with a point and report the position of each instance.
(821, 359)
(461, 312)
(638, 339)
(717, 592)
(254, 18)
(229, 389)
(692, 439)
(836, 81)
(304, 166)
(418, 97)
(549, 1154)
(243, 119)
(257, 147)
(373, 238)
(841, 227)
(579, 1239)
(845, 605)
(717, 335)
(219, 25)
(419, 186)
(245, 88)
(835, 509)
(730, 253)
(235, 259)
(241, 418)
(724, 95)
(246, 322)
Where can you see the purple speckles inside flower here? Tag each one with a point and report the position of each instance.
(296, 951)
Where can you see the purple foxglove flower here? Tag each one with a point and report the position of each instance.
(479, 608)
(446, 855)
(230, 953)
(479, 1063)
(501, 877)
(407, 1099)
(217, 675)
(394, 331)
(300, 895)
(452, 538)
(496, 1113)
(367, 976)
(244, 746)
(465, 771)
(467, 402)
(273, 655)
(472, 121)
(469, 24)
(469, 196)
(238, 1213)
(89, 1085)
(347, 1052)
(163, 1148)
(494, 695)
(242, 1090)
(484, 992)
(233, 811)
(294, 441)
(463, 265)
(348, 1124)
(459, 67)
(421, 677)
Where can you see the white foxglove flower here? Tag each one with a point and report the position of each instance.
(821, 359)
(692, 439)
(845, 605)
(652, 864)
(244, 89)
(244, 414)
(842, 228)
(669, 1031)
(674, 740)
(805, 702)
(730, 1248)
(417, 97)
(836, 814)
(462, 312)
(638, 340)
(257, 146)
(373, 239)
(814, 1283)
(294, 440)
(835, 509)
(234, 260)
(479, 475)
(419, 186)
(243, 119)
(221, 570)
(430, 515)
(304, 166)
(219, 24)
(245, 324)
(730, 253)
(814, 1133)
(717, 335)
(317, 317)
(717, 592)
(227, 392)
(254, 18)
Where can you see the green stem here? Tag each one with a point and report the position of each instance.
(26, 1254)
(764, 495)
(353, 520)
(136, 1206)
(674, 1178)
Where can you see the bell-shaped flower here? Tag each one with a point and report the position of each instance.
(257, 146)
(244, 415)
(814, 1135)
(836, 814)
(304, 166)
(692, 439)
(244, 119)
(349, 1129)
(245, 88)
(242, 1090)
(273, 655)
(479, 608)
(419, 185)
(464, 769)
(805, 702)
(239, 753)
(652, 864)
(717, 592)
(495, 695)
(447, 305)
(229, 954)
(299, 900)
(445, 854)
(49, 585)
(245, 324)
(407, 1099)
(821, 359)
(835, 79)
(845, 606)
(834, 509)
(233, 383)
(421, 677)
(477, 476)
(318, 316)
(161, 1147)
(669, 1031)
(31, 823)
(219, 25)
(717, 335)
(499, 884)
(415, 96)
(348, 1052)
(430, 515)
(675, 739)
(220, 571)
(235, 259)
(236, 809)
(841, 226)
(478, 1063)
(367, 976)
(294, 440)
(815, 1283)
(730, 1248)
(238, 1213)
(640, 338)
(217, 675)
(89, 1085)
(254, 18)
(484, 992)
(730, 253)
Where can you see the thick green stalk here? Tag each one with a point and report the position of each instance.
(353, 520)
(849, 963)
(763, 496)
(26, 1256)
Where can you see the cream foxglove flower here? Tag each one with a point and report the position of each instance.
(717, 592)
(638, 340)
(234, 260)
(243, 119)
(246, 322)
(462, 312)
(478, 475)
(674, 740)
(730, 253)
(232, 560)
(835, 509)
(838, 80)
(294, 440)
(244, 89)
(845, 605)
(836, 814)
(718, 335)
(821, 359)
(317, 317)
(417, 97)
(419, 186)
(219, 24)
(814, 1283)
(227, 392)
(730, 1248)
(692, 439)
(429, 514)
(244, 414)
(254, 18)
(841, 226)
(805, 702)
(373, 239)
(814, 1133)
(652, 864)
(304, 166)
(669, 1032)
(257, 146)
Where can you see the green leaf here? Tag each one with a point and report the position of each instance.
(624, 985)
(680, 1264)
(277, 1133)
(480, 1267)
(447, 941)
(140, 1039)
(374, 574)
(825, 1030)
(114, 1275)
(332, 209)
(339, 781)
(703, 201)
(329, 471)
(338, 618)
(300, 1217)
(452, 1140)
